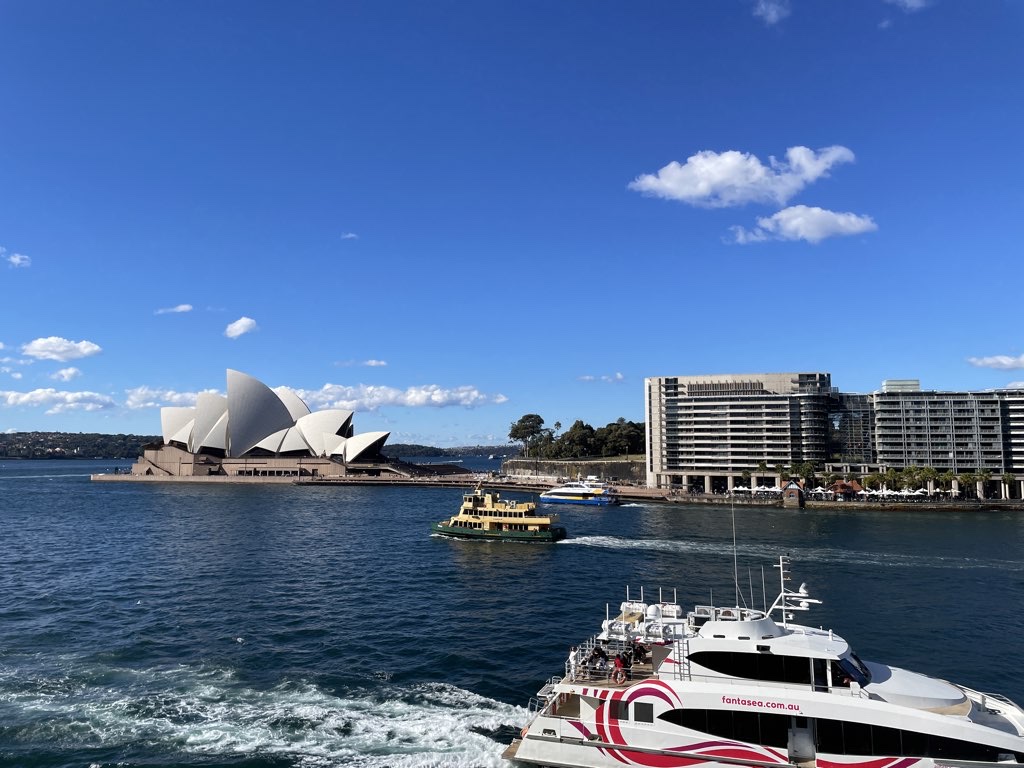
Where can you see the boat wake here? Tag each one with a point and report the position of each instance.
(47, 477)
(803, 554)
(204, 716)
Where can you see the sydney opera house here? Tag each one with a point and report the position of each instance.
(256, 431)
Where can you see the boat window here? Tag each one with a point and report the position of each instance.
(755, 727)
(643, 712)
(618, 710)
(845, 670)
(756, 666)
(846, 738)
(861, 666)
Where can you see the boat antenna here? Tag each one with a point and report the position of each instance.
(735, 567)
(764, 591)
(790, 600)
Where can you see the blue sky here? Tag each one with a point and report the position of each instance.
(446, 215)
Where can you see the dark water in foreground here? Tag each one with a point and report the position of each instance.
(158, 625)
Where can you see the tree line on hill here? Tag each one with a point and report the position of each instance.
(72, 445)
(398, 450)
(619, 438)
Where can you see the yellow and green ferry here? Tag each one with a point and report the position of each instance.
(485, 516)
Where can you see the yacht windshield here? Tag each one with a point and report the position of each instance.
(853, 668)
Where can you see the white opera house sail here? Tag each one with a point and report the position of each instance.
(256, 431)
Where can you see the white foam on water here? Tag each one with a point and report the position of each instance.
(197, 713)
(45, 477)
(770, 553)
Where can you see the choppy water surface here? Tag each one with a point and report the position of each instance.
(307, 626)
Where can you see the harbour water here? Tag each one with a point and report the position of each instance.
(273, 626)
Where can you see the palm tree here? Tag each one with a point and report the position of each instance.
(762, 468)
(1009, 480)
(929, 475)
(966, 479)
(983, 477)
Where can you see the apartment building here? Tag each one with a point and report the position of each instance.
(704, 432)
(708, 432)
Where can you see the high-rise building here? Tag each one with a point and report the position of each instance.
(704, 432)
(710, 433)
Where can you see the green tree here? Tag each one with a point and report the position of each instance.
(874, 480)
(966, 481)
(946, 479)
(527, 431)
(1009, 479)
(578, 441)
(928, 475)
(806, 470)
(983, 477)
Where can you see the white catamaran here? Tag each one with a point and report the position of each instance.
(661, 688)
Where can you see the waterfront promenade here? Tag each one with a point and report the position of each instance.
(627, 493)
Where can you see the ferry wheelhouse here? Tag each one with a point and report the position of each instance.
(485, 515)
(735, 686)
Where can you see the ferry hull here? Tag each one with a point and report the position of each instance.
(555, 533)
(594, 501)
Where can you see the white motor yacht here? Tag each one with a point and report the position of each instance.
(661, 688)
(587, 491)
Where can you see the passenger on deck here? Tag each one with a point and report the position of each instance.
(640, 651)
(598, 658)
(624, 661)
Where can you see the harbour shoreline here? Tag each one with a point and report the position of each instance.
(629, 494)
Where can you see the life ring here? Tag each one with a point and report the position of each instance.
(619, 676)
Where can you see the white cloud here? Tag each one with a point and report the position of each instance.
(15, 259)
(909, 5)
(364, 397)
(719, 180)
(1015, 385)
(66, 374)
(802, 222)
(56, 401)
(612, 379)
(771, 11)
(16, 375)
(999, 362)
(61, 350)
(362, 363)
(241, 326)
(350, 236)
(174, 310)
(147, 397)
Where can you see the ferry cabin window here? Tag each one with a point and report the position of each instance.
(756, 666)
(643, 712)
(753, 727)
(844, 738)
